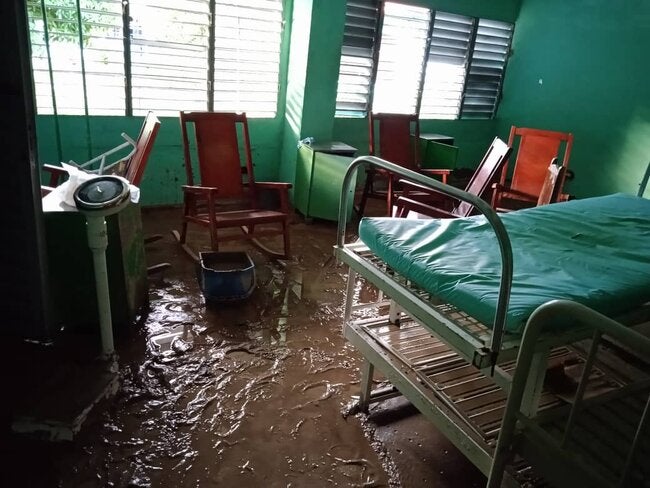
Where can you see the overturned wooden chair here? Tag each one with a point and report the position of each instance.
(228, 195)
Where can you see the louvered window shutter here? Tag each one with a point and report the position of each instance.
(169, 55)
(357, 58)
(401, 57)
(446, 66)
(487, 68)
(247, 56)
(103, 56)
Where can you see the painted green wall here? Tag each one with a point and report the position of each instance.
(592, 59)
(316, 38)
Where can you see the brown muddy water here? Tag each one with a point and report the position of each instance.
(243, 394)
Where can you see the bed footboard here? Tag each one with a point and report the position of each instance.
(595, 442)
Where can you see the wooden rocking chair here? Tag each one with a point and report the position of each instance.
(228, 195)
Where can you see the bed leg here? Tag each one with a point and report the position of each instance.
(394, 313)
(349, 296)
(535, 383)
(367, 372)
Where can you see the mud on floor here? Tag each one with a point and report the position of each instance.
(242, 394)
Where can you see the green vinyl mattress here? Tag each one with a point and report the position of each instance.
(594, 251)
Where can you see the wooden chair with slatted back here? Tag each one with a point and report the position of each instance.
(536, 148)
(550, 192)
(228, 195)
(425, 201)
(395, 138)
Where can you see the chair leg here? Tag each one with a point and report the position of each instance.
(214, 240)
(389, 197)
(285, 237)
(183, 235)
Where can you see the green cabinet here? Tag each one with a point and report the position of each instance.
(319, 178)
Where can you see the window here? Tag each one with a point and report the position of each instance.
(177, 56)
(437, 64)
(357, 55)
(247, 55)
(446, 65)
(399, 70)
(169, 55)
(77, 56)
(487, 68)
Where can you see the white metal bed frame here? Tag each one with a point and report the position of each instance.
(421, 343)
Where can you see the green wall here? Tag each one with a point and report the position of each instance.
(592, 59)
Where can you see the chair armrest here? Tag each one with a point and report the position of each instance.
(405, 204)
(437, 172)
(199, 190)
(515, 193)
(273, 185)
(56, 173)
(281, 188)
(410, 186)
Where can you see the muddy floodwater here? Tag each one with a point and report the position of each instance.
(243, 394)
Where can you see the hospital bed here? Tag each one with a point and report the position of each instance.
(450, 315)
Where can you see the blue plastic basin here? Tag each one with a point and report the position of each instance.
(226, 276)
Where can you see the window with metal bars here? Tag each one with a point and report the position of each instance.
(173, 58)
(437, 64)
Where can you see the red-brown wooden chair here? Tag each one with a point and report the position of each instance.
(399, 136)
(536, 148)
(426, 201)
(228, 195)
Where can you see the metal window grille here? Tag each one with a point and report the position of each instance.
(357, 58)
(487, 69)
(247, 56)
(404, 36)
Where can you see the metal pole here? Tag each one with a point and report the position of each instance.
(83, 80)
(98, 242)
(57, 128)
